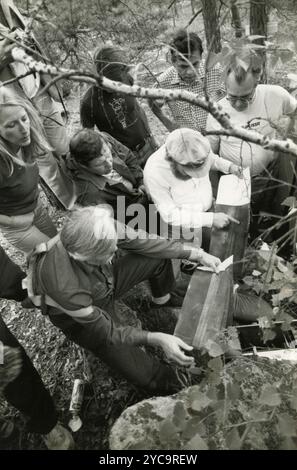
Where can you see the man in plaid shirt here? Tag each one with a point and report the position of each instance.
(188, 73)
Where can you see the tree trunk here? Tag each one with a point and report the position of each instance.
(236, 21)
(258, 25)
(258, 17)
(211, 25)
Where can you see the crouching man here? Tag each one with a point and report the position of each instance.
(76, 278)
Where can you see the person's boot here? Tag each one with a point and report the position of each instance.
(59, 438)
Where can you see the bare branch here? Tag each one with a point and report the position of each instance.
(229, 128)
(23, 46)
(16, 79)
(286, 146)
(68, 75)
(193, 18)
(171, 4)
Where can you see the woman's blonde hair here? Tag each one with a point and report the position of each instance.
(38, 145)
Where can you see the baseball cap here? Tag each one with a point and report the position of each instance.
(190, 149)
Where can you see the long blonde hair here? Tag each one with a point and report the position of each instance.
(38, 145)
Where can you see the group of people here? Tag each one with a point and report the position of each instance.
(75, 276)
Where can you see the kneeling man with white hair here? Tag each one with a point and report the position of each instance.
(75, 278)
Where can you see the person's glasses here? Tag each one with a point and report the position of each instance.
(245, 99)
(194, 165)
(190, 165)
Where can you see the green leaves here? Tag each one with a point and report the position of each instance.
(288, 444)
(258, 415)
(196, 443)
(198, 400)
(233, 440)
(268, 335)
(266, 326)
(167, 430)
(242, 52)
(192, 427)
(179, 415)
(287, 425)
(216, 364)
(233, 391)
(286, 292)
(255, 283)
(213, 348)
(293, 401)
(287, 322)
(269, 396)
(282, 280)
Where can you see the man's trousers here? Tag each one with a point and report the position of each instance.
(27, 392)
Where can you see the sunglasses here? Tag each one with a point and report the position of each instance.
(245, 99)
(190, 165)
(194, 165)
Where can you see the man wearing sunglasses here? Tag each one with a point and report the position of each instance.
(259, 108)
(177, 178)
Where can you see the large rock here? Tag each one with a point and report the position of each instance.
(248, 404)
(138, 426)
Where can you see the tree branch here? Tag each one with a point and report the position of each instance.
(286, 146)
(193, 18)
(23, 46)
(229, 128)
(16, 79)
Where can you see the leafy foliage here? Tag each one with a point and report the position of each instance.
(246, 409)
(272, 275)
(240, 52)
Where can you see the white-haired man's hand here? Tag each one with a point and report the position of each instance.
(199, 255)
(173, 348)
(210, 261)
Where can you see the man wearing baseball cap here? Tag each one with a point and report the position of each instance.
(177, 178)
